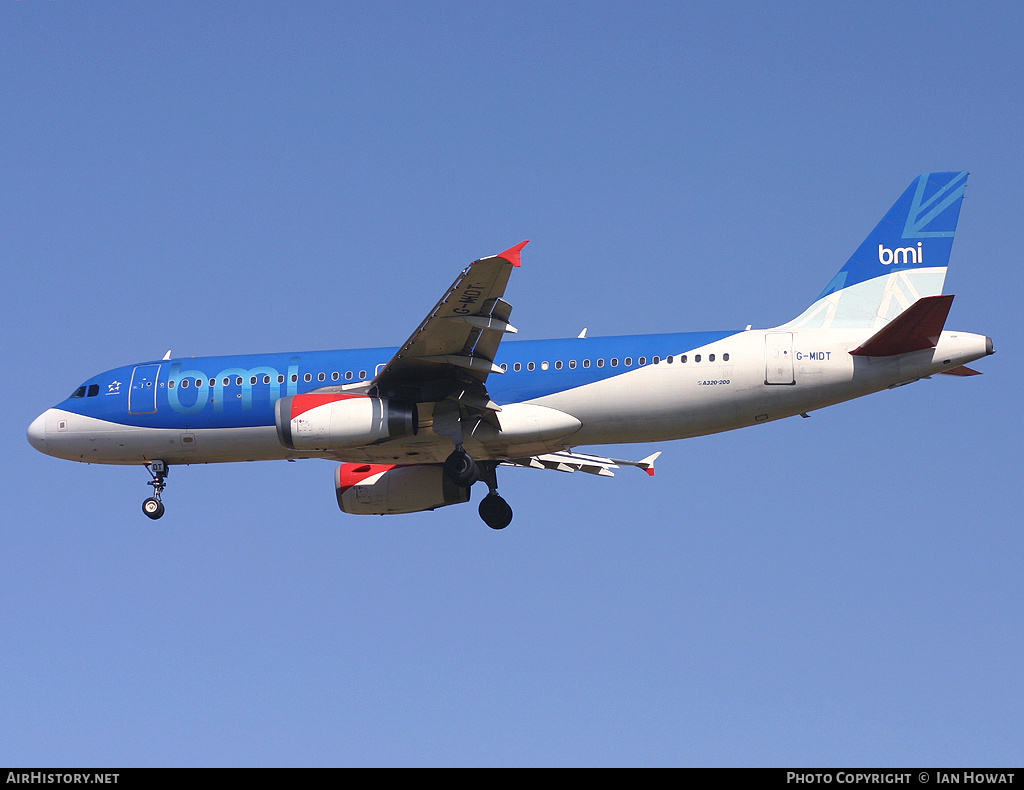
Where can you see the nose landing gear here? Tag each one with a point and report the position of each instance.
(153, 507)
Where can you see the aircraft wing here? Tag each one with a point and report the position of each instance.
(568, 461)
(451, 354)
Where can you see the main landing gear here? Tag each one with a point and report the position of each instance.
(153, 507)
(462, 470)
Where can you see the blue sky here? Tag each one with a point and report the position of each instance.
(238, 178)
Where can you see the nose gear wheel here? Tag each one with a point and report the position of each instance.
(153, 506)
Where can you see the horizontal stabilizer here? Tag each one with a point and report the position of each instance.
(915, 329)
(963, 370)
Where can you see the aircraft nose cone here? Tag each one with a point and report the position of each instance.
(37, 433)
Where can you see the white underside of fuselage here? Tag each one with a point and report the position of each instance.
(812, 369)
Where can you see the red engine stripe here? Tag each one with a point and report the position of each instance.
(303, 403)
(353, 474)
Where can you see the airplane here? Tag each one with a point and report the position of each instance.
(414, 427)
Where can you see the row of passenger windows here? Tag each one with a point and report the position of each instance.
(613, 362)
(93, 389)
(238, 380)
(350, 375)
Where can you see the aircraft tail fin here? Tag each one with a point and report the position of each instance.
(902, 260)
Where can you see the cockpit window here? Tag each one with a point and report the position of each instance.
(94, 390)
(79, 393)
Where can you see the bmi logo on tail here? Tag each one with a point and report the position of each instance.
(888, 257)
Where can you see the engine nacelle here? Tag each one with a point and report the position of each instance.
(381, 489)
(335, 420)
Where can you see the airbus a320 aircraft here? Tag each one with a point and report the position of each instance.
(415, 427)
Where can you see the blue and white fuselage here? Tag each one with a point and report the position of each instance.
(458, 383)
(647, 388)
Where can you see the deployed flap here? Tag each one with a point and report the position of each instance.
(915, 329)
(452, 352)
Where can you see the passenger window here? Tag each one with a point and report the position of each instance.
(530, 366)
(321, 377)
(543, 365)
(362, 374)
(227, 381)
(213, 382)
(600, 363)
(184, 384)
(615, 362)
(558, 365)
(335, 376)
(504, 367)
(655, 360)
(170, 385)
(280, 378)
(517, 367)
(628, 362)
(586, 363)
(199, 383)
(253, 379)
(348, 375)
(682, 358)
(266, 379)
(696, 357)
(668, 360)
(711, 357)
(725, 357)
(295, 377)
(642, 361)
(308, 377)
(572, 364)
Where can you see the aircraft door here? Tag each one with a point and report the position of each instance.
(779, 358)
(142, 393)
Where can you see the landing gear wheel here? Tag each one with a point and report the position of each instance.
(495, 512)
(153, 507)
(158, 470)
(461, 469)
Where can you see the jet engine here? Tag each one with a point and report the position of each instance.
(331, 421)
(381, 489)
